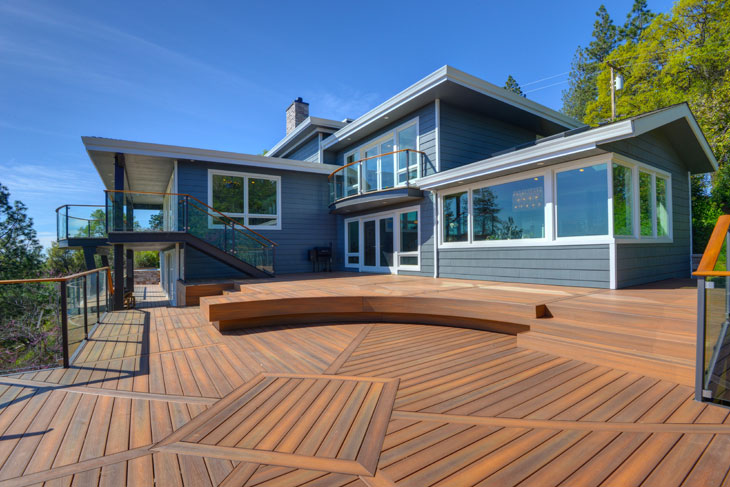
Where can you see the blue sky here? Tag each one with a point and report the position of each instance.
(185, 73)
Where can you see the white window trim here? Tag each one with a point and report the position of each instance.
(392, 134)
(396, 241)
(551, 210)
(246, 215)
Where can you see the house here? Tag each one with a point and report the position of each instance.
(452, 177)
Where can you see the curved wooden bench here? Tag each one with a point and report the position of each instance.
(237, 311)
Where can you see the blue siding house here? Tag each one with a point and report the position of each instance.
(452, 177)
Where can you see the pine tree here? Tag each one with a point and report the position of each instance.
(20, 251)
(636, 21)
(513, 86)
(586, 65)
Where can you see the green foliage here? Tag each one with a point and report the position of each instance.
(63, 262)
(512, 85)
(20, 251)
(147, 258)
(586, 65)
(636, 21)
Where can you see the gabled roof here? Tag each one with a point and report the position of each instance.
(677, 121)
(302, 133)
(451, 84)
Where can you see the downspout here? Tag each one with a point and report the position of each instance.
(435, 235)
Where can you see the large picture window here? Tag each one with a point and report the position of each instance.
(623, 203)
(510, 211)
(582, 200)
(251, 199)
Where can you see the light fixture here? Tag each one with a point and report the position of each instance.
(540, 163)
(386, 117)
(581, 170)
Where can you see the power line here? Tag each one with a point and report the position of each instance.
(547, 86)
(545, 79)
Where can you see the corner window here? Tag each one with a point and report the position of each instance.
(582, 201)
(510, 211)
(662, 208)
(456, 217)
(252, 200)
(623, 202)
(646, 209)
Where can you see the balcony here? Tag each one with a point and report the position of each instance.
(377, 180)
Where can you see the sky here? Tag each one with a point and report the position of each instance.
(219, 75)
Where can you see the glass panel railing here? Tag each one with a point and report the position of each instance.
(80, 221)
(376, 172)
(138, 212)
(46, 321)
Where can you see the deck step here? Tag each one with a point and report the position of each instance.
(637, 339)
(664, 319)
(654, 365)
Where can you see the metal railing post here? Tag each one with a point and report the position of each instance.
(98, 304)
(408, 168)
(67, 221)
(64, 325)
(185, 213)
(700, 350)
(86, 308)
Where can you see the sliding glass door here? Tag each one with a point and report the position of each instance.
(385, 242)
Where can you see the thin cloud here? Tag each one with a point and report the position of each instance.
(346, 103)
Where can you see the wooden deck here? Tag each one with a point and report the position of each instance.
(161, 397)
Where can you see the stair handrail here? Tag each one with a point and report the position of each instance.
(226, 217)
(713, 249)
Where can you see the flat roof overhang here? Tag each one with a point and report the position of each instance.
(378, 199)
(462, 90)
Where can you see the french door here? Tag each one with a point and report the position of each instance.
(378, 237)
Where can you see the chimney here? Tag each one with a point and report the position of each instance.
(297, 112)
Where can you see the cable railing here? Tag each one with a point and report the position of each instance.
(45, 321)
(712, 380)
(145, 211)
(376, 173)
(80, 221)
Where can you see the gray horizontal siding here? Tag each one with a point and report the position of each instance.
(646, 262)
(468, 136)
(201, 266)
(309, 151)
(426, 136)
(305, 217)
(584, 265)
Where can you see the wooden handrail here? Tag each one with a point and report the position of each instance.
(56, 279)
(713, 249)
(373, 157)
(204, 204)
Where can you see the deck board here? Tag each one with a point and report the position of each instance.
(160, 395)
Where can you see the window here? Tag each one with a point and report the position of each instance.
(407, 161)
(252, 200)
(582, 201)
(408, 254)
(662, 210)
(623, 203)
(510, 211)
(456, 217)
(352, 176)
(646, 205)
(353, 242)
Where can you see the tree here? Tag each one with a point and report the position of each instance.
(513, 86)
(20, 251)
(63, 262)
(586, 65)
(636, 21)
(680, 57)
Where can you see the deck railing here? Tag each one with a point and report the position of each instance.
(712, 380)
(376, 173)
(145, 211)
(45, 321)
(80, 221)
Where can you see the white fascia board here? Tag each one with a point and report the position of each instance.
(176, 152)
(551, 149)
(656, 120)
(443, 74)
(307, 123)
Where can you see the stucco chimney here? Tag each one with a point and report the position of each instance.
(297, 112)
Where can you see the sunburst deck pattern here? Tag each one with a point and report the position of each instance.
(161, 396)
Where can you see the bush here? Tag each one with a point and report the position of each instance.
(147, 258)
